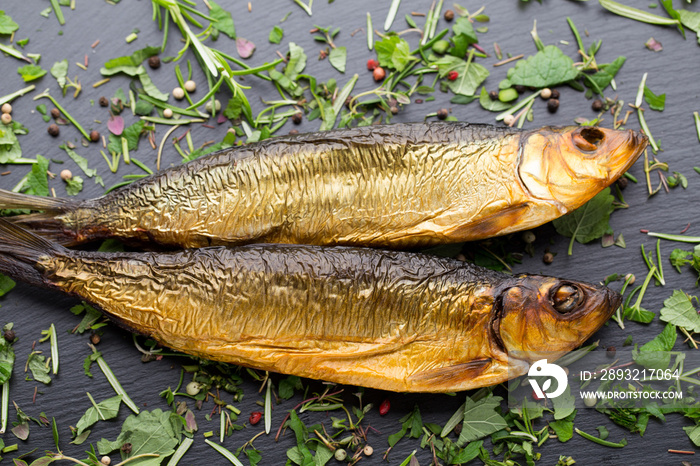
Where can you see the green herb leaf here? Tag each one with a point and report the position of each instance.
(59, 70)
(6, 284)
(38, 178)
(655, 354)
(297, 62)
(411, 424)
(7, 25)
(470, 75)
(107, 409)
(564, 428)
(605, 74)
(638, 314)
(151, 88)
(135, 59)
(679, 310)
(393, 52)
(74, 185)
(30, 72)
(464, 36)
(234, 107)
(7, 358)
(79, 160)
(40, 370)
(481, 419)
(276, 35)
(287, 386)
(564, 405)
(154, 432)
(338, 57)
(589, 221)
(656, 102)
(693, 434)
(635, 14)
(487, 103)
(224, 20)
(546, 68)
(10, 149)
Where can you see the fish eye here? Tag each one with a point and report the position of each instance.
(587, 139)
(566, 298)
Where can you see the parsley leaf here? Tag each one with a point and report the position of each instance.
(224, 21)
(74, 185)
(7, 357)
(30, 72)
(656, 102)
(38, 178)
(655, 354)
(464, 36)
(107, 409)
(546, 68)
(40, 369)
(487, 103)
(148, 432)
(679, 310)
(393, 52)
(564, 428)
(338, 57)
(589, 221)
(481, 419)
(276, 35)
(470, 75)
(7, 25)
(6, 284)
(605, 74)
(59, 70)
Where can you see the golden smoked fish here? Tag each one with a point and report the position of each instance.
(395, 186)
(384, 319)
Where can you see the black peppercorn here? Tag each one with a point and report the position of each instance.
(555, 94)
(10, 335)
(94, 136)
(449, 15)
(154, 62)
(53, 130)
(493, 95)
(442, 113)
(552, 105)
(520, 88)
(597, 105)
(55, 113)
(103, 101)
(296, 118)
(548, 258)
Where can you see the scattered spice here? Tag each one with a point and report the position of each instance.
(103, 101)
(255, 417)
(168, 113)
(6, 118)
(340, 454)
(154, 62)
(94, 135)
(66, 174)
(611, 351)
(6, 108)
(555, 94)
(368, 450)
(95, 339)
(55, 113)
(384, 407)
(372, 64)
(53, 130)
(190, 86)
(546, 93)
(442, 113)
(452, 75)
(597, 105)
(379, 74)
(297, 118)
(9, 335)
(449, 15)
(106, 460)
(493, 95)
(178, 93)
(553, 105)
(520, 88)
(548, 258)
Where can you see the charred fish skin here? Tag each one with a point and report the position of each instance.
(384, 319)
(395, 186)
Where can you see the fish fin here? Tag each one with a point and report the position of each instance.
(492, 225)
(20, 251)
(44, 223)
(451, 375)
(10, 200)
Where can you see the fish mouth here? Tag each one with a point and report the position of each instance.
(495, 324)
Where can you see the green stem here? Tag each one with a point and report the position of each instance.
(10, 97)
(57, 11)
(600, 441)
(64, 112)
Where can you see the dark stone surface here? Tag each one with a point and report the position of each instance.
(673, 71)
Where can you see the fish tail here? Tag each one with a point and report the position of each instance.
(44, 223)
(20, 251)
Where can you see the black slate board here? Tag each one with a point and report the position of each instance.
(673, 71)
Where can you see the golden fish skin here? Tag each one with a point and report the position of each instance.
(396, 186)
(390, 320)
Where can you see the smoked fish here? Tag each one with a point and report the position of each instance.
(385, 319)
(393, 186)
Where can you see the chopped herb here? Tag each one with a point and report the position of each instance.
(655, 354)
(337, 57)
(547, 68)
(59, 70)
(31, 72)
(393, 52)
(656, 102)
(276, 35)
(679, 310)
(588, 222)
(107, 409)
(224, 21)
(7, 25)
(481, 419)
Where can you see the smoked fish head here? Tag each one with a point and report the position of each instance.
(569, 165)
(539, 317)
